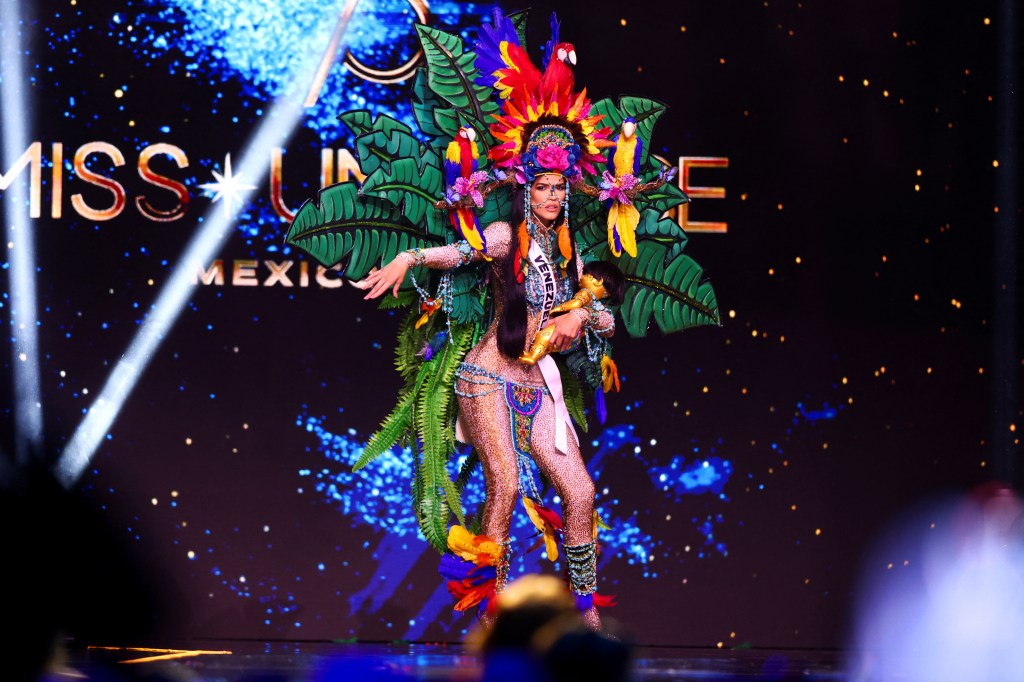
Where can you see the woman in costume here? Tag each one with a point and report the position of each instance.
(508, 409)
(481, 352)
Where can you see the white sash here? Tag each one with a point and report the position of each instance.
(548, 368)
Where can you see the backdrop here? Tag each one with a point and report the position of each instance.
(841, 159)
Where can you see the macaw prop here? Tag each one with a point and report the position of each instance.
(463, 179)
(558, 79)
(548, 524)
(624, 156)
(470, 568)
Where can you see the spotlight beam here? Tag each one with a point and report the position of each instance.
(281, 120)
(14, 111)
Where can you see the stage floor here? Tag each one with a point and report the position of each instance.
(248, 661)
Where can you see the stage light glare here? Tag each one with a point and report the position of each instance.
(949, 604)
(14, 112)
(215, 228)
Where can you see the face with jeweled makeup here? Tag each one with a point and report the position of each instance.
(546, 196)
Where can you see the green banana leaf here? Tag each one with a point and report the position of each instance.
(362, 231)
(407, 185)
(671, 290)
(378, 149)
(361, 121)
(452, 74)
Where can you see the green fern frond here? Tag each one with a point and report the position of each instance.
(389, 433)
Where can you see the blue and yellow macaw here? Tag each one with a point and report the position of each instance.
(624, 161)
(460, 163)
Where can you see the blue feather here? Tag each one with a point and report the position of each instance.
(637, 153)
(549, 47)
(602, 412)
(452, 172)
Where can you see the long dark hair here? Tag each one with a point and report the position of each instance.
(512, 325)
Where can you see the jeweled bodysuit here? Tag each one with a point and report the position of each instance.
(484, 406)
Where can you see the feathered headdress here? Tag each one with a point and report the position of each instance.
(544, 126)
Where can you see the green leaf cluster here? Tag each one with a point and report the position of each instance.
(424, 421)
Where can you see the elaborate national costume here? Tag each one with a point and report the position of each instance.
(424, 202)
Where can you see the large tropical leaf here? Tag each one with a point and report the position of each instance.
(519, 21)
(340, 226)
(378, 149)
(467, 295)
(672, 291)
(452, 73)
(361, 121)
(407, 185)
(424, 103)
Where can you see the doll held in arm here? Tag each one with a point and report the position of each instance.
(600, 280)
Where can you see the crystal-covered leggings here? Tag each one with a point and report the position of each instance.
(486, 421)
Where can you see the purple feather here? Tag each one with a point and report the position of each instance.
(602, 413)
(488, 47)
(584, 602)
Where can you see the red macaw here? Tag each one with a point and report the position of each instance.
(460, 164)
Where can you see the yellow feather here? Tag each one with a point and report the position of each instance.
(629, 218)
(612, 221)
(479, 549)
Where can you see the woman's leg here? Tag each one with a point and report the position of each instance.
(568, 474)
(486, 421)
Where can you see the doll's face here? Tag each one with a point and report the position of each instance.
(546, 196)
(595, 285)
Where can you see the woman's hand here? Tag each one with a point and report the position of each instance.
(388, 277)
(567, 328)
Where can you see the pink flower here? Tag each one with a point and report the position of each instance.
(553, 157)
(616, 188)
(470, 187)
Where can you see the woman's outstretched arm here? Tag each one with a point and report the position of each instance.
(498, 236)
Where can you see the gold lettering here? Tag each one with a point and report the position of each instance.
(161, 181)
(326, 167)
(215, 275)
(275, 186)
(348, 166)
(277, 273)
(33, 157)
(106, 183)
(57, 193)
(244, 274)
(327, 282)
(303, 273)
(686, 163)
